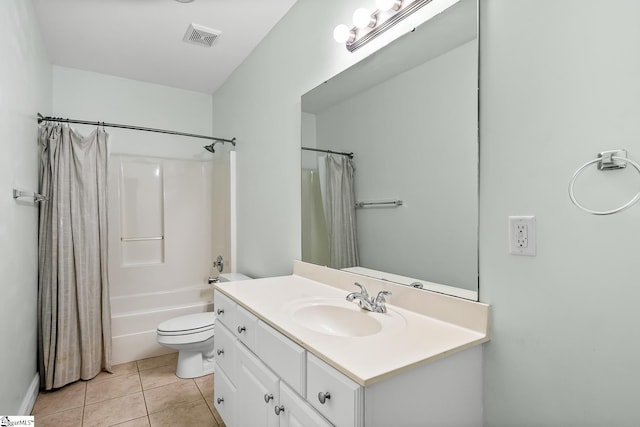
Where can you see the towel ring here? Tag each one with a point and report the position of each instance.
(608, 160)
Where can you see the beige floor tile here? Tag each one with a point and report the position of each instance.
(189, 414)
(171, 396)
(68, 397)
(156, 377)
(117, 370)
(112, 387)
(155, 362)
(115, 411)
(138, 422)
(216, 415)
(69, 418)
(205, 384)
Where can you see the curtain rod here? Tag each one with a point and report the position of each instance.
(41, 118)
(349, 155)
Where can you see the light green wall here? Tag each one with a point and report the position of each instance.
(559, 83)
(25, 89)
(91, 96)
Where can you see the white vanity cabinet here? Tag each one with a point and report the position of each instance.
(263, 378)
(254, 364)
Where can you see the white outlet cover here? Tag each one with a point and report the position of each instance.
(516, 247)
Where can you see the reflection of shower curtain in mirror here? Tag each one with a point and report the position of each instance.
(340, 212)
(315, 239)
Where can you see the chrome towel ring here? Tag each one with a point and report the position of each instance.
(607, 160)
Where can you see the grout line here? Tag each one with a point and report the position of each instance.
(84, 404)
(146, 407)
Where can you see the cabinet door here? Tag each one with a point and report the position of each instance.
(296, 412)
(257, 392)
(224, 397)
(224, 347)
(332, 394)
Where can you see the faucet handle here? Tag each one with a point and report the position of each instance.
(380, 297)
(378, 303)
(363, 290)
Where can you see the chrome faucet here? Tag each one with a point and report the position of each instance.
(376, 305)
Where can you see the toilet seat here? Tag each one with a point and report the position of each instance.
(188, 325)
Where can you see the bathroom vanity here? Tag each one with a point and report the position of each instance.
(291, 351)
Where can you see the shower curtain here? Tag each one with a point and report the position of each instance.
(74, 319)
(340, 212)
(315, 239)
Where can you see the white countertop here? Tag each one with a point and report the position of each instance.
(364, 359)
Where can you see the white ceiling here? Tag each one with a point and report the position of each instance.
(142, 39)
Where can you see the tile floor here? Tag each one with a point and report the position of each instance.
(136, 394)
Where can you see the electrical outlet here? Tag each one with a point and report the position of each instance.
(522, 235)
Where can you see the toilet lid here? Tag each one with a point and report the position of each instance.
(189, 324)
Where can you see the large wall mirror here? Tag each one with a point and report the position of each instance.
(409, 115)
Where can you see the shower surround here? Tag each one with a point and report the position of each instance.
(168, 220)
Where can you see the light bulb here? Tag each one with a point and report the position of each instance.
(362, 18)
(385, 5)
(342, 34)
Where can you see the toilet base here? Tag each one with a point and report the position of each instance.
(193, 364)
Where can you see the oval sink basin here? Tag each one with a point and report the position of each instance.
(340, 318)
(337, 321)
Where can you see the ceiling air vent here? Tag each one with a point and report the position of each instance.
(202, 36)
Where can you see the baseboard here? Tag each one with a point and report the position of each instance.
(30, 396)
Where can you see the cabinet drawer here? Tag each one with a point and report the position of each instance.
(225, 351)
(246, 327)
(225, 309)
(286, 358)
(343, 404)
(297, 412)
(224, 397)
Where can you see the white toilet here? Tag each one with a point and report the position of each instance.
(192, 336)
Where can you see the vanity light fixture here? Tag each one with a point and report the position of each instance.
(343, 34)
(362, 18)
(367, 25)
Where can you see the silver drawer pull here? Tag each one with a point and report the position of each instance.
(220, 311)
(220, 400)
(279, 409)
(323, 397)
(241, 329)
(268, 397)
(220, 352)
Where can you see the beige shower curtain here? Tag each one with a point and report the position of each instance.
(315, 238)
(74, 337)
(340, 212)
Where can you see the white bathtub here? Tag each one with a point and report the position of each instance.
(134, 319)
